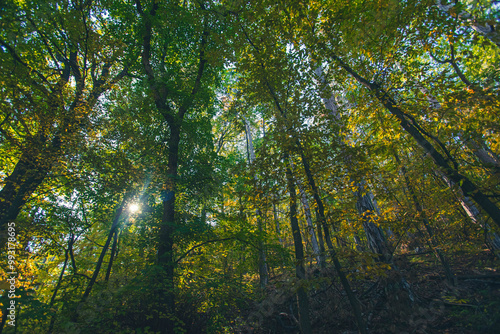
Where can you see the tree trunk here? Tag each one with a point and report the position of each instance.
(165, 255)
(365, 204)
(490, 161)
(58, 285)
(263, 272)
(492, 239)
(112, 230)
(277, 223)
(338, 268)
(321, 212)
(366, 209)
(318, 254)
(300, 273)
(29, 173)
(112, 255)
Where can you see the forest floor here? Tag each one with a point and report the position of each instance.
(472, 305)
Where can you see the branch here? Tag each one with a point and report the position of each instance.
(201, 67)
(198, 246)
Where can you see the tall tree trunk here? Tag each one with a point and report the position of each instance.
(277, 223)
(367, 210)
(112, 230)
(365, 204)
(318, 253)
(338, 268)
(300, 273)
(492, 238)
(165, 255)
(58, 285)
(490, 161)
(112, 255)
(321, 214)
(263, 272)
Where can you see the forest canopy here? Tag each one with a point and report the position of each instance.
(249, 166)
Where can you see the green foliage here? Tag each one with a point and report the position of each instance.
(95, 93)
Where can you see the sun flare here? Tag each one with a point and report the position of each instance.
(134, 207)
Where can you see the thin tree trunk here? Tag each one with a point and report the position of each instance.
(303, 302)
(338, 268)
(58, 285)
(112, 230)
(318, 254)
(112, 255)
(277, 223)
(263, 272)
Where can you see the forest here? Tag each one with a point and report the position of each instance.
(249, 166)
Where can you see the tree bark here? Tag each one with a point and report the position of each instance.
(28, 174)
(300, 273)
(112, 256)
(492, 239)
(318, 253)
(366, 209)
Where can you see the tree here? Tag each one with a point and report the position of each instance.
(58, 60)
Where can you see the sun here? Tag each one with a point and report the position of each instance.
(134, 207)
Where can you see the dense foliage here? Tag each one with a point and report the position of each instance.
(249, 166)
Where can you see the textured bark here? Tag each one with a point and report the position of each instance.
(366, 209)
